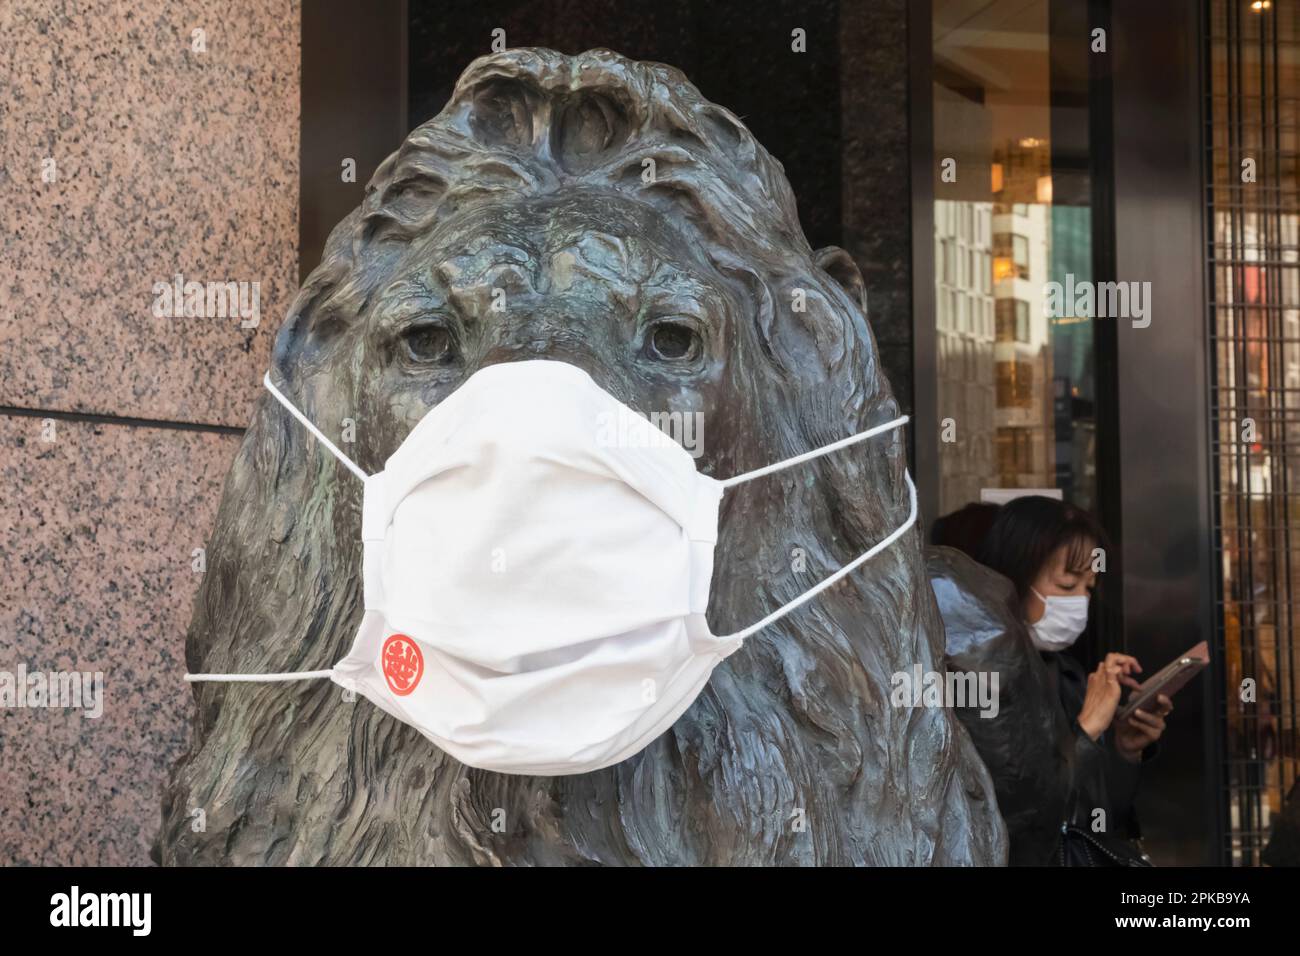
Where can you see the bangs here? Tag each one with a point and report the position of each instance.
(1080, 544)
(1080, 533)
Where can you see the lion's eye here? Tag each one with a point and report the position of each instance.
(431, 343)
(674, 342)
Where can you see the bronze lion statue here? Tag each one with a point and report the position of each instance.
(640, 232)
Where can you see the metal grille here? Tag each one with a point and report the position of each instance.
(1252, 95)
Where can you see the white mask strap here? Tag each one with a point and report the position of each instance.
(351, 465)
(259, 678)
(815, 453)
(857, 562)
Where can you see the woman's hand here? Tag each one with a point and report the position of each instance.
(1104, 687)
(1142, 729)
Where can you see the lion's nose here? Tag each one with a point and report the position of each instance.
(546, 338)
(583, 356)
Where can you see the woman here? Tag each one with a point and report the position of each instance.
(1048, 549)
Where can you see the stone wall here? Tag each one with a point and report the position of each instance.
(132, 149)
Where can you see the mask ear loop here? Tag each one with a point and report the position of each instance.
(857, 562)
(815, 453)
(257, 678)
(352, 467)
(306, 423)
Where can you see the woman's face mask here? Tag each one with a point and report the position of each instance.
(1064, 618)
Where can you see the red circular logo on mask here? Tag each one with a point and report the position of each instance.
(402, 664)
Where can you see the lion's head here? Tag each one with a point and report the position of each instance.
(600, 211)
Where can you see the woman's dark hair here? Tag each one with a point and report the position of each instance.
(1028, 530)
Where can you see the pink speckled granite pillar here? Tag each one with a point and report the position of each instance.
(132, 149)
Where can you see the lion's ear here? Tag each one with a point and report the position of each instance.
(310, 329)
(326, 302)
(839, 265)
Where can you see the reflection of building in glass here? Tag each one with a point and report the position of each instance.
(993, 118)
(1023, 410)
(965, 341)
(1072, 354)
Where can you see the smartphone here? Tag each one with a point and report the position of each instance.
(1168, 680)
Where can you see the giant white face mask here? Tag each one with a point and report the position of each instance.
(1064, 618)
(537, 563)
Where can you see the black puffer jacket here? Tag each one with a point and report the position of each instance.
(1047, 772)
